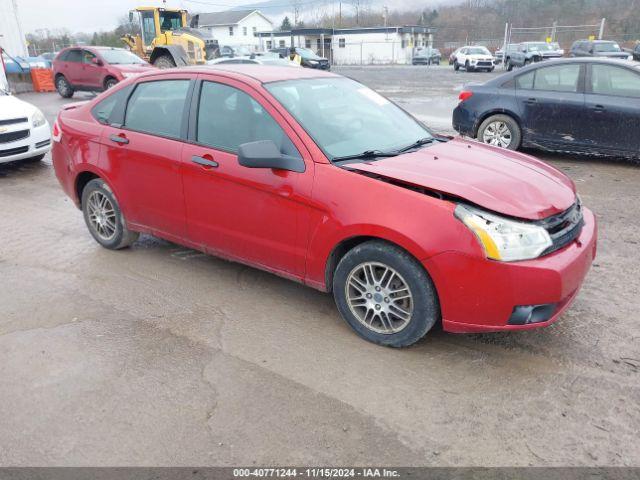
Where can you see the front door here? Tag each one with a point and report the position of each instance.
(91, 71)
(551, 101)
(612, 113)
(143, 156)
(254, 215)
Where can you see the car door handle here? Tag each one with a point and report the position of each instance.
(530, 101)
(119, 139)
(598, 108)
(204, 161)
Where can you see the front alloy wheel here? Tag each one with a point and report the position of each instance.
(379, 297)
(385, 294)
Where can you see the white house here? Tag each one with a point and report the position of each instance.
(355, 46)
(234, 27)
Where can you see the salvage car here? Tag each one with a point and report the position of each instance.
(473, 58)
(574, 105)
(321, 180)
(598, 48)
(24, 131)
(531, 52)
(94, 68)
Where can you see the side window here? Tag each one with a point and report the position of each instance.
(103, 110)
(74, 56)
(561, 78)
(87, 56)
(148, 27)
(341, 43)
(155, 107)
(525, 82)
(228, 117)
(608, 80)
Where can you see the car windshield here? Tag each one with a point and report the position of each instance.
(346, 118)
(606, 47)
(120, 57)
(479, 51)
(307, 53)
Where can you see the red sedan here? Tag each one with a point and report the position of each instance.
(94, 68)
(317, 178)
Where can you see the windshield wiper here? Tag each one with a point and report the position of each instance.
(366, 154)
(416, 144)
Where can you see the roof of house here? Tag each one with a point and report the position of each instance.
(228, 17)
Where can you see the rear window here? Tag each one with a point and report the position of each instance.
(156, 107)
(73, 56)
(561, 78)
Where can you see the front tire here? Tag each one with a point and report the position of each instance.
(164, 61)
(456, 65)
(110, 83)
(64, 87)
(385, 294)
(104, 218)
(500, 131)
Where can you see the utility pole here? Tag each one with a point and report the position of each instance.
(601, 33)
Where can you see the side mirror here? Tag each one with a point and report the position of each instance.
(265, 154)
(96, 61)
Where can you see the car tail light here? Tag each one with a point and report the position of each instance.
(465, 95)
(56, 134)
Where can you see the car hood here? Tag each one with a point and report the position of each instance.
(12, 107)
(612, 54)
(133, 68)
(500, 180)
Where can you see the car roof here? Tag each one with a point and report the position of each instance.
(250, 72)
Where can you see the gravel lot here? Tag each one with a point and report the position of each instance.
(160, 355)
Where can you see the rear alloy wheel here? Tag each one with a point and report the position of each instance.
(500, 131)
(104, 218)
(385, 295)
(64, 88)
(164, 61)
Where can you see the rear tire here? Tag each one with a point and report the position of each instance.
(64, 87)
(103, 216)
(164, 61)
(385, 294)
(492, 132)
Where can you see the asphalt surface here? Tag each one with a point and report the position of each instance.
(160, 355)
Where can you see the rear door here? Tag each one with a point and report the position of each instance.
(612, 114)
(72, 66)
(142, 156)
(255, 215)
(551, 101)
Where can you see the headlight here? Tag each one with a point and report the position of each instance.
(38, 119)
(504, 239)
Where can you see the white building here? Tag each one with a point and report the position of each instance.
(234, 27)
(355, 46)
(11, 35)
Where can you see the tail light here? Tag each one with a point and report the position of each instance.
(465, 95)
(56, 134)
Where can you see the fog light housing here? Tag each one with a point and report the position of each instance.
(527, 314)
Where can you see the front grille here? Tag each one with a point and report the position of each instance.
(13, 121)
(14, 151)
(484, 64)
(564, 227)
(13, 136)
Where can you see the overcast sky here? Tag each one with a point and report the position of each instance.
(91, 15)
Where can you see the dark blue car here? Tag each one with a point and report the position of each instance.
(582, 105)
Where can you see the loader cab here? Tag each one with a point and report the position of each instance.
(156, 21)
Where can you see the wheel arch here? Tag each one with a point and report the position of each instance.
(108, 77)
(340, 249)
(496, 111)
(176, 52)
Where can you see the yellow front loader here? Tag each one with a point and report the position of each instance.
(166, 41)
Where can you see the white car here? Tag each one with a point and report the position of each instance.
(473, 58)
(273, 60)
(24, 130)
